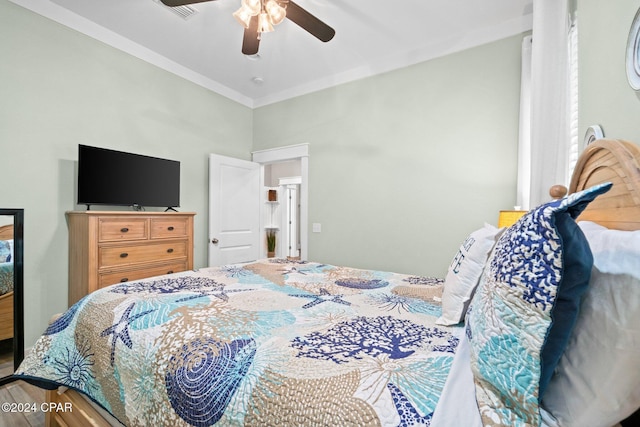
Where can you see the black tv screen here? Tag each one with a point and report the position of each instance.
(109, 177)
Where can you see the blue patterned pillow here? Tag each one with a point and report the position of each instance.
(526, 306)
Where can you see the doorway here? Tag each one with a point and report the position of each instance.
(286, 169)
(281, 218)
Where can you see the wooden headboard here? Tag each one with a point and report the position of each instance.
(616, 161)
(6, 232)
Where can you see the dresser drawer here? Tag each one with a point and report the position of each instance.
(117, 229)
(142, 273)
(113, 256)
(163, 228)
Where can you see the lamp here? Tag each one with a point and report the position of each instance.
(243, 16)
(276, 12)
(508, 218)
(269, 13)
(253, 6)
(264, 23)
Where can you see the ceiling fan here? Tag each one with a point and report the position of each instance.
(259, 16)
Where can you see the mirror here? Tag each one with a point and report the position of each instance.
(11, 292)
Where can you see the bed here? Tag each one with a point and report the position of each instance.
(6, 282)
(290, 342)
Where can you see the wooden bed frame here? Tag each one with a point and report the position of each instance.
(617, 161)
(6, 300)
(603, 160)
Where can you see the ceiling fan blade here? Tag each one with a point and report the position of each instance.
(174, 3)
(250, 41)
(307, 21)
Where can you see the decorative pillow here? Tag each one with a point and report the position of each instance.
(5, 251)
(525, 307)
(464, 273)
(597, 382)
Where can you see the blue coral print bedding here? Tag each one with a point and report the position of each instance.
(6, 277)
(273, 342)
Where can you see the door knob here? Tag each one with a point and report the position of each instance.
(214, 241)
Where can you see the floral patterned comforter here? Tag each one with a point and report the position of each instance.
(273, 342)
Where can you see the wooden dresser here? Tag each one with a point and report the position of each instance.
(113, 247)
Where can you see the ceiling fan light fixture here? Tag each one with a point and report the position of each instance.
(260, 16)
(243, 16)
(276, 12)
(252, 6)
(264, 23)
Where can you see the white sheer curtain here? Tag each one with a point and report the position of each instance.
(544, 148)
(575, 142)
(524, 144)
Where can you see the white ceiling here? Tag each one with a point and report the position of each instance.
(372, 36)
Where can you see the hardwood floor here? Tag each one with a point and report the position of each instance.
(6, 357)
(26, 400)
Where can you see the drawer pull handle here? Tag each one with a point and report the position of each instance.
(124, 279)
(170, 250)
(170, 272)
(124, 255)
(170, 228)
(124, 229)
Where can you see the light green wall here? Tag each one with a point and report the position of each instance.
(606, 98)
(59, 88)
(405, 164)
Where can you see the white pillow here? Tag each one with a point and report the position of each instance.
(464, 273)
(597, 382)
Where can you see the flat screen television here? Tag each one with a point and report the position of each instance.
(109, 177)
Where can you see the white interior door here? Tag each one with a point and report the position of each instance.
(292, 220)
(234, 210)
